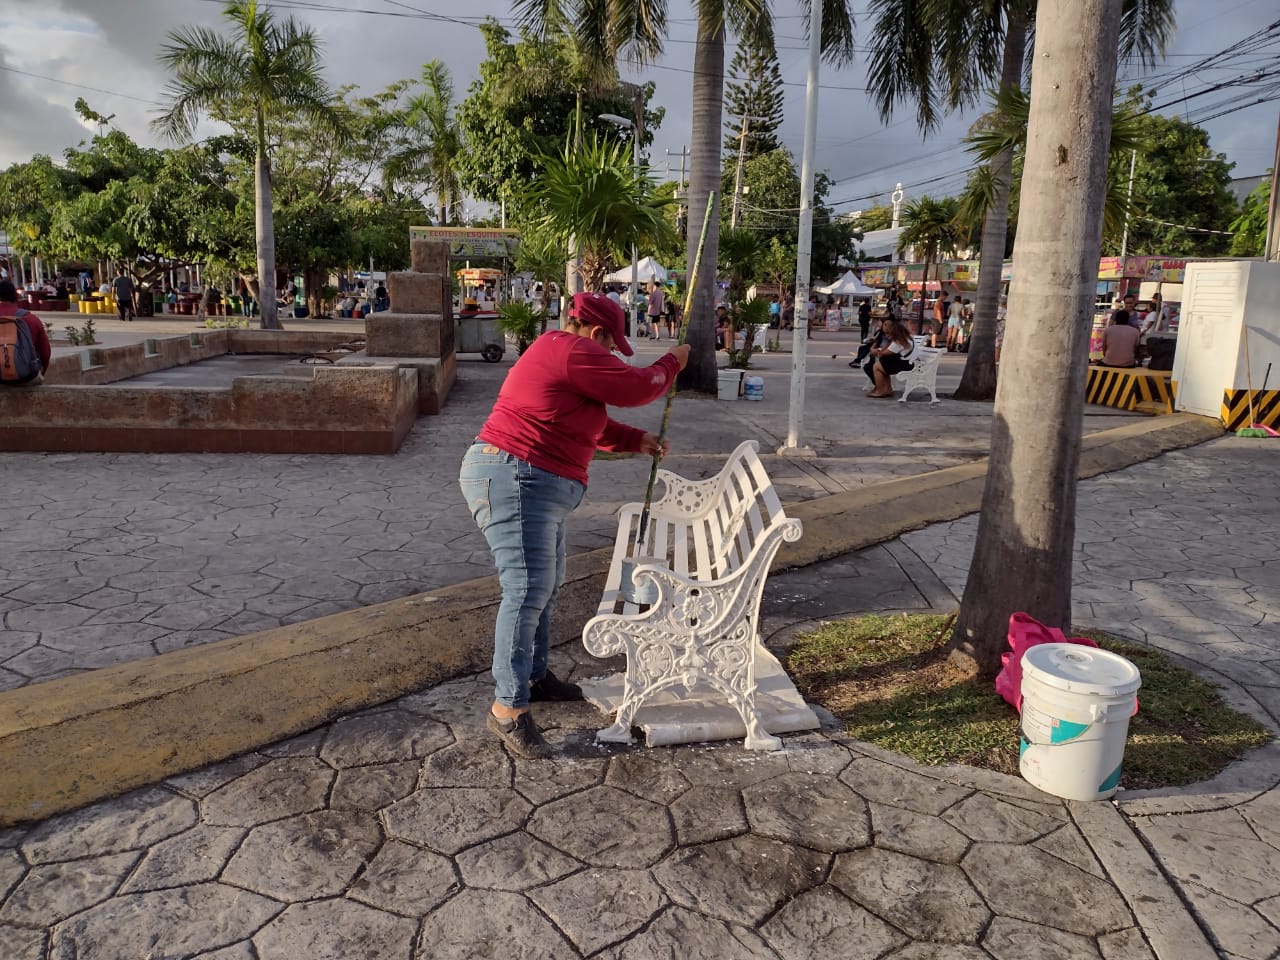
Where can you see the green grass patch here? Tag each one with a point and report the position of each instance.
(888, 679)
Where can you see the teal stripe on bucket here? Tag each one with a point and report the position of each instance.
(1064, 730)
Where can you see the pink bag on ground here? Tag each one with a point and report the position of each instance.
(1025, 631)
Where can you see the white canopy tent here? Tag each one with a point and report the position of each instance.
(647, 269)
(848, 286)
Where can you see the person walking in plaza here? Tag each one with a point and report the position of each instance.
(955, 322)
(656, 308)
(122, 287)
(864, 319)
(527, 471)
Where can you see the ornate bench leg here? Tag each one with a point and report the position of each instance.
(619, 732)
(758, 738)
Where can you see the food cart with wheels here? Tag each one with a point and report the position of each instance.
(476, 324)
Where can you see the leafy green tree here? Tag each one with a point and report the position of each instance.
(522, 109)
(29, 194)
(1250, 228)
(1178, 183)
(598, 197)
(267, 70)
(929, 226)
(754, 91)
(778, 266)
(772, 182)
(877, 217)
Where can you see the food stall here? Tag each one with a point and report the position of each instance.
(484, 289)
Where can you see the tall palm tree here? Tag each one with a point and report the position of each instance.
(1026, 528)
(265, 70)
(943, 56)
(636, 29)
(431, 156)
(933, 228)
(596, 195)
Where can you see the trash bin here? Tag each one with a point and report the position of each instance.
(1076, 704)
(727, 384)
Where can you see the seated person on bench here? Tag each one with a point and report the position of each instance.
(891, 359)
(1120, 342)
(877, 339)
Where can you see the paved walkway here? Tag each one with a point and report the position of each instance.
(404, 832)
(116, 557)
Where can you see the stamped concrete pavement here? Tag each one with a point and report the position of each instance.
(116, 557)
(405, 832)
(1181, 553)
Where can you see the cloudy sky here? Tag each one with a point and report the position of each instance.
(53, 51)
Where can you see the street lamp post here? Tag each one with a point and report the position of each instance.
(635, 162)
(804, 241)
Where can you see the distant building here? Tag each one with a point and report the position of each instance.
(1241, 187)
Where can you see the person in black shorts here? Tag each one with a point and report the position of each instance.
(122, 288)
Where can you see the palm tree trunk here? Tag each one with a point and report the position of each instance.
(264, 224)
(978, 382)
(1026, 530)
(704, 177)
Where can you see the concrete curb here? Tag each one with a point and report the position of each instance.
(1161, 914)
(68, 742)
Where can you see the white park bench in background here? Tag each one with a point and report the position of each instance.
(924, 372)
(707, 551)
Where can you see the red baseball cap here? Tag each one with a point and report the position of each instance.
(597, 310)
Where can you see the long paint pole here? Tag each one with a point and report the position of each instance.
(671, 393)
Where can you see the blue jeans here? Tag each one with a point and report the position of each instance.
(521, 510)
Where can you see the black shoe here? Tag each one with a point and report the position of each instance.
(521, 735)
(551, 687)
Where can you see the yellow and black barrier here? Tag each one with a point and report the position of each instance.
(1235, 408)
(1126, 387)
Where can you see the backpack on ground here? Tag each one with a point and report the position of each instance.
(19, 362)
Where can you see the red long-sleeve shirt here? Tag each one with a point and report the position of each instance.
(39, 338)
(551, 408)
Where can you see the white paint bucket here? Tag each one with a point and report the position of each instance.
(753, 388)
(727, 384)
(1076, 704)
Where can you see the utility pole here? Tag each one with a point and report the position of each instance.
(804, 241)
(1271, 249)
(737, 177)
(681, 193)
(1128, 205)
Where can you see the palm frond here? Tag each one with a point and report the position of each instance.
(1146, 27)
(902, 62)
(837, 32)
(542, 18)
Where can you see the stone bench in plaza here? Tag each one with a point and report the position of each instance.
(704, 562)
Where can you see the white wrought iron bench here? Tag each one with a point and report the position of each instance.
(924, 372)
(705, 560)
